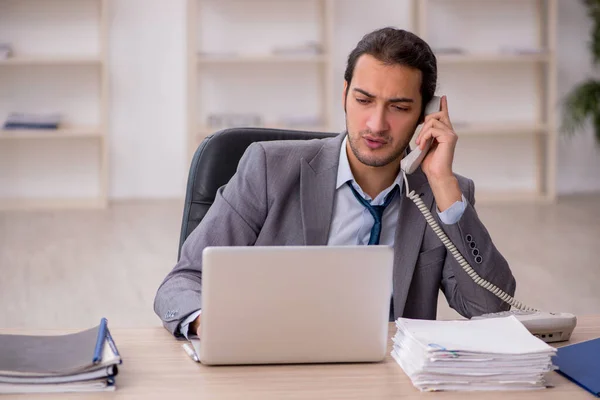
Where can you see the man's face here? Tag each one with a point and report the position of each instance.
(383, 105)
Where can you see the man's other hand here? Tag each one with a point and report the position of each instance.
(195, 326)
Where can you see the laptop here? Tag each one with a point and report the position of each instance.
(295, 304)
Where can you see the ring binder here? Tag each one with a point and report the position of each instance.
(100, 341)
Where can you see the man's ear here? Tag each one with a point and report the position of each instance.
(345, 94)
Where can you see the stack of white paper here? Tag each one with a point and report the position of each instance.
(486, 354)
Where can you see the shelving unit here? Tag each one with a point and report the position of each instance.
(261, 59)
(542, 125)
(68, 132)
(198, 63)
(26, 60)
(205, 131)
(491, 58)
(50, 60)
(490, 130)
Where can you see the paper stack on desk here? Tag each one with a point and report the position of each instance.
(81, 362)
(486, 354)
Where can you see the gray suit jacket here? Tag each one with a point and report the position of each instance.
(282, 194)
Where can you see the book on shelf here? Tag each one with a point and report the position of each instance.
(310, 48)
(520, 51)
(19, 120)
(5, 51)
(217, 121)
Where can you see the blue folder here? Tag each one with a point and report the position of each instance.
(580, 363)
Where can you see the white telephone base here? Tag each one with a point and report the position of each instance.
(550, 327)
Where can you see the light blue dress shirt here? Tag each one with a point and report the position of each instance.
(351, 222)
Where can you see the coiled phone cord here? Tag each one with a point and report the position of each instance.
(501, 294)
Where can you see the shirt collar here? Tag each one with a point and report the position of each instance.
(345, 174)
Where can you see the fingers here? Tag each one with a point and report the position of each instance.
(444, 110)
(195, 326)
(436, 115)
(444, 105)
(432, 123)
(435, 129)
(441, 115)
(431, 133)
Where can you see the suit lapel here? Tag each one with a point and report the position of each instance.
(317, 190)
(408, 238)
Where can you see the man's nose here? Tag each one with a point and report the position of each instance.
(377, 121)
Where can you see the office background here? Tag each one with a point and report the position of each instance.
(68, 267)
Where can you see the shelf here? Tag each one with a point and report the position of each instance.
(491, 58)
(482, 49)
(498, 129)
(246, 59)
(510, 196)
(62, 133)
(287, 44)
(44, 94)
(51, 60)
(28, 204)
(203, 130)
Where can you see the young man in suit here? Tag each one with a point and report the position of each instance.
(320, 192)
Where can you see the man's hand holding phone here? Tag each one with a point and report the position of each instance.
(437, 165)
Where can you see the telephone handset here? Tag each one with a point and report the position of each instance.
(550, 327)
(411, 162)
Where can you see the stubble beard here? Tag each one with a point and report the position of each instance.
(373, 160)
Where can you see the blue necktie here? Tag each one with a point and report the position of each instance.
(376, 211)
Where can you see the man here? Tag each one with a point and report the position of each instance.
(321, 192)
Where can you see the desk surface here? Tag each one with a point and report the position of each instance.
(155, 366)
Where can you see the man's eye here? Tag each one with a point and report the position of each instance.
(362, 101)
(401, 108)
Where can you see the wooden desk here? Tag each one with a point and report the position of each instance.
(155, 366)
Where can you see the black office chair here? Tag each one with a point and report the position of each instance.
(216, 160)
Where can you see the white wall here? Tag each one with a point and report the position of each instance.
(578, 156)
(148, 101)
(148, 104)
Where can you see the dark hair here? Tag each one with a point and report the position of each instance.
(396, 46)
